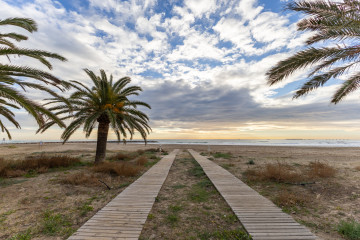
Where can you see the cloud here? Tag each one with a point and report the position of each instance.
(179, 101)
(200, 62)
(199, 7)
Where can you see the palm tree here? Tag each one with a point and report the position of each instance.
(13, 77)
(331, 22)
(105, 105)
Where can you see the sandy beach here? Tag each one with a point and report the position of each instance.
(331, 200)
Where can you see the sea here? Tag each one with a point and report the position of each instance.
(266, 142)
(240, 142)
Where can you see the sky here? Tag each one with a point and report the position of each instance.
(201, 64)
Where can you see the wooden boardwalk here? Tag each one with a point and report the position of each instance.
(259, 216)
(124, 217)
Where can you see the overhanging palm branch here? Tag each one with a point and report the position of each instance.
(14, 77)
(337, 22)
(105, 104)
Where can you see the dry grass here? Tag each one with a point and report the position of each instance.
(285, 173)
(39, 164)
(277, 172)
(141, 161)
(289, 199)
(124, 156)
(80, 178)
(151, 150)
(114, 168)
(322, 170)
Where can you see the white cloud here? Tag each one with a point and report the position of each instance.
(199, 7)
(248, 9)
(92, 39)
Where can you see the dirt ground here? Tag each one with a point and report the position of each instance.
(40, 206)
(327, 201)
(189, 207)
(28, 203)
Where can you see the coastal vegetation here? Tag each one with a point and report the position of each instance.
(13, 77)
(35, 164)
(319, 194)
(350, 229)
(58, 201)
(189, 207)
(106, 104)
(285, 173)
(336, 25)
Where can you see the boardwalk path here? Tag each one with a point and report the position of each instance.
(124, 217)
(260, 217)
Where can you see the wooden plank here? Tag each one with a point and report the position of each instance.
(259, 216)
(124, 217)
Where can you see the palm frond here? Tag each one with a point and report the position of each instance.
(348, 86)
(25, 23)
(335, 21)
(15, 36)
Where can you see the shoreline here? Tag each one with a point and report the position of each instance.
(154, 142)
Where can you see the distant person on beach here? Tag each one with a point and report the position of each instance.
(40, 144)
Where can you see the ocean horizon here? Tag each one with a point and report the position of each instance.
(239, 142)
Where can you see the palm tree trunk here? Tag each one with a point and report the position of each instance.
(103, 130)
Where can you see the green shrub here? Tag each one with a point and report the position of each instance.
(22, 236)
(238, 234)
(172, 218)
(196, 171)
(53, 224)
(350, 229)
(251, 162)
(198, 194)
(222, 155)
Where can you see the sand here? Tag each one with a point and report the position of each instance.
(339, 156)
(332, 199)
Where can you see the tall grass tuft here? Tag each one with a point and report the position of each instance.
(115, 168)
(127, 156)
(322, 170)
(276, 172)
(289, 199)
(39, 164)
(350, 229)
(141, 161)
(285, 173)
(80, 178)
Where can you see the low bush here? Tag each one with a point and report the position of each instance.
(120, 169)
(276, 172)
(35, 164)
(141, 161)
(22, 236)
(152, 150)
(289, 199)
(350, 229)
(141, 152)
(54, 224)
(357, 168)
(196, 171)
(80, 178)
(238, 234)
(322, 170)
(250, 162)
(198, 194)
(222, 155)
(123, 156)
(285, 173)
